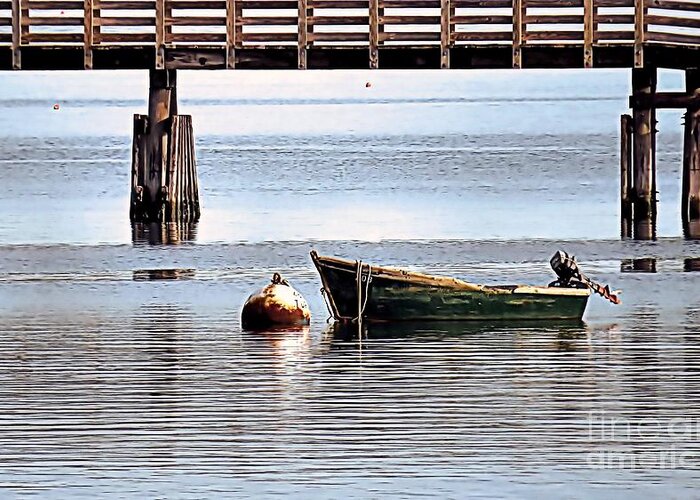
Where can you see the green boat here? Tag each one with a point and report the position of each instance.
(355, 290)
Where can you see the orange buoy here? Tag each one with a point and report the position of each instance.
(277, 304)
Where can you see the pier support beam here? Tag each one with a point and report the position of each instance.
(164, 185)
(626, 130)
(644, 157)
(690, 191)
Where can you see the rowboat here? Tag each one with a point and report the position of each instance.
(357, 291)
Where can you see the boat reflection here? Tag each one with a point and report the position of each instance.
(347, 332)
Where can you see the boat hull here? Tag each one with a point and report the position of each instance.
(395, 295)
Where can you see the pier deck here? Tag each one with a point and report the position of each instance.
(348, 34)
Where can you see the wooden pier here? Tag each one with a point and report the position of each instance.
(166, 35)
(326, 34)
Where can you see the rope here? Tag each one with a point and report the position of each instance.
(324, 294)
(361, 305)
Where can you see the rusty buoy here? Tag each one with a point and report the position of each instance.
(277, 304)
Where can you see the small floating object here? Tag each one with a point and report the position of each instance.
(368, 84)
(277, 304)
(356, 292)
(56, 106)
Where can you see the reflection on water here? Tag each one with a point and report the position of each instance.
(121, 387)
(642, 265)
(691, 265)
(348, 331)
(163, 274)
(165, 233)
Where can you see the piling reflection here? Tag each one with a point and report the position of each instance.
(163, 274)
(691, 265)
(163, 233)
(642, 265)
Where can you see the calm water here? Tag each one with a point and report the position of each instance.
(123, 368)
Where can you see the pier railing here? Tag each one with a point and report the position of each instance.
(308, 24)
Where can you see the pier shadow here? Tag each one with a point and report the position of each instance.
(163, 233)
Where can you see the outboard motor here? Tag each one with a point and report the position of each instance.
(570, 276)
(566, 269)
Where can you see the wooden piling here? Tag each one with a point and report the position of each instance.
(163, 163)
(626, 185)
(643, 157)
(373, 34)
(690, 186)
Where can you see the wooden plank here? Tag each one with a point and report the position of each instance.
(339, 37)
(614, 18)
(24, 15)
(198, 37)
(588, 33)
(337, 20)
(120, 38)
(673, 21)
(403, 20)
(230, 34)
(16, 35)
(54, 5)
(407, 36)
(338, 4)
(302, 32)
(238, 27)
(411, 4)
(517, 33)
(639, 30)
(269, 4)
(481, 19)
(654, 36)
(207, 21)
(197, 4)
(545, 4)
(96, 26)
(160, 34)
(75, 38)
(88, 33)
(53, 21)
(622, 36)
(269, 21)
(126, 21)
(125, 5)
(445, 33)
(674, 5)
(374, 34)
(479, 4)
(476, 36)
(614, 3)
(554, 36)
